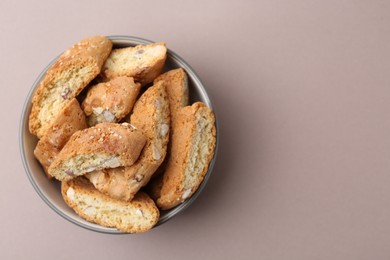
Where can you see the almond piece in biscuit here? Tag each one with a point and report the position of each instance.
(193, 145)
(137, 216)
(106, 145)
(70, 120)
(110, 101)
(151, 116)
(142, 62)
(69, 75)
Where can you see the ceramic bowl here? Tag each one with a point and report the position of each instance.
(49, 190)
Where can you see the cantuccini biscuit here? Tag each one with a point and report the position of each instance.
(69, 75)
(106, 145)
(176, 85)
(193, 145)
(142, 62)
(110, 101)
(67, 122)
(139, 215)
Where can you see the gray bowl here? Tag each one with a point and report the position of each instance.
(49, 190)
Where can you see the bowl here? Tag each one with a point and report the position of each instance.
(50, 190)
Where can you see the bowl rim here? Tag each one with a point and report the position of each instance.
(128, 40)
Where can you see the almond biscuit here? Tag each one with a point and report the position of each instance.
(193, 145)
(137, 216)
(65, 79)
(68, 121)
(142, 62)
(110, 101)
(106, 145)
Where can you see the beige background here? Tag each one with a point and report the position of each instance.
(302, 91)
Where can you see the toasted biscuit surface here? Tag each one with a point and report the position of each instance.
(142, 62)
(69, 75)
(106, 145)
(139, 215)
(151, 115)
(110, 101)
(176, 86)
(70, 120)
(193, 145)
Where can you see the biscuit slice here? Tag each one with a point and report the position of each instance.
(137, 216)
(142, 62)
(151, 115)
(176, 85)
(193, 145)
(68, 76)
(70, 120)
(106, 145)
(110, 101)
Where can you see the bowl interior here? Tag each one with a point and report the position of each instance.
(49, 190)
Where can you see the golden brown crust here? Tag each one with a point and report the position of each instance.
(110, 101)
(137, 216)
(176, 86)
(106, 145)
(70, 120)
(68, 76)
(151, 115)
(193, 145)
(142, 62)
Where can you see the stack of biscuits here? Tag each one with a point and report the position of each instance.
(117, 130)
